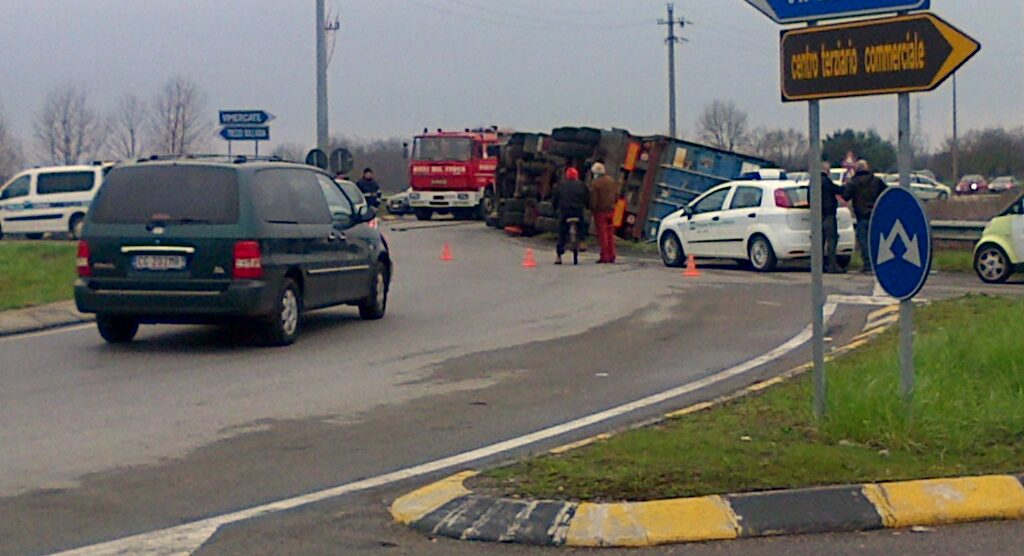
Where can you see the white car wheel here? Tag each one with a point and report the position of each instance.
(761, 254)
(672, 250)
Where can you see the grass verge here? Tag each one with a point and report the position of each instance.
(943, 260)
(35, 272)
(967, 417)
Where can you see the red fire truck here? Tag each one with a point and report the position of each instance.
(452, 172)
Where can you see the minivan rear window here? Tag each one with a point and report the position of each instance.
(177, 194)
(51, 183)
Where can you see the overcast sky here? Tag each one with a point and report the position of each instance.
(401, 65)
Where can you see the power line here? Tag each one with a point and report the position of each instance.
(514, 20)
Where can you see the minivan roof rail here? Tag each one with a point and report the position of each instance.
(237, 159)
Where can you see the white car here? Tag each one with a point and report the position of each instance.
(762, 222)
(923, 187)
(49, 200)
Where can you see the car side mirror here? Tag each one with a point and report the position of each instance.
(688, 211)
(366, 213)
(405, 151)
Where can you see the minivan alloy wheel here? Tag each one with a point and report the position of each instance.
(289, 311)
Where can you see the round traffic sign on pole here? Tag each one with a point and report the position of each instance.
(318, 158)
(341, 161)
(901, 243)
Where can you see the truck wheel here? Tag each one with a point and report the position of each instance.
(515, 205)
(423, 214)
(282, 327)
(375, 304)
(511, 219)
(547, 224)
(566, 134)
(546, 209)
(117, 329)
(570, 150)
(588, 136)
(34, 236)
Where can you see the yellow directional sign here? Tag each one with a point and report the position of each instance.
(901, 54)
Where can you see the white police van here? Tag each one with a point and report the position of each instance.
(49, 200)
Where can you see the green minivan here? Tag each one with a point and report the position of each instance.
(221, 240)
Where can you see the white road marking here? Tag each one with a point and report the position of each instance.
(186, 538)
(47, 332)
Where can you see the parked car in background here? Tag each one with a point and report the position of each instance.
(971, 184)
(1003, 183)
(219, 241)
(51, 200)
(923, 187)
(760, 222)
(1000, 252)
(398, 204)
(799, 176)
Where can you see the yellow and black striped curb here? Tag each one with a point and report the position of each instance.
(448, 509)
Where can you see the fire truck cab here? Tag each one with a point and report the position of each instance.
(452, 172)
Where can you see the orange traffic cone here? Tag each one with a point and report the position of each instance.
(446, 253)
(691, 267)
(528, 259)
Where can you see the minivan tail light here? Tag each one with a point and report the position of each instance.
(782, 199)
(248, 263)
(82, 260)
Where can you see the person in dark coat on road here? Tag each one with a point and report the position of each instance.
(570, 199)
(863, 191)
(369, 187)
(829, 224)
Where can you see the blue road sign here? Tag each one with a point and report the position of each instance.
(246, 133)
(795, 11)
(244, 117)
(901, 243)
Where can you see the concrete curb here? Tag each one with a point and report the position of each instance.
(447, 508)
(41, 317)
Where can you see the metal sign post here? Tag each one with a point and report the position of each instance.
(906, 306)
(817, 256)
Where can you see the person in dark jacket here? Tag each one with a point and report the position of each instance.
(369, 187)
(571, 199)
(829, 224)
(862, 191)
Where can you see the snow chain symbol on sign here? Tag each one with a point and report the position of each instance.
(913, 248)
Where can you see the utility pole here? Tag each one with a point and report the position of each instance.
(321, 78)
(956, 139)
(672, 39)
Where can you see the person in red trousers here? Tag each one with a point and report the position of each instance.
(604, 193)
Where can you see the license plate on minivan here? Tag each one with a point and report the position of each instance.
(158, 262)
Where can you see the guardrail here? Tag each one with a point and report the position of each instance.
(952, 230)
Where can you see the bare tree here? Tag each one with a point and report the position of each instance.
(292, 152)
(785, 147)
(179, 123)
(723, 125)
(11, 159)
(67, 130)
(126, 127)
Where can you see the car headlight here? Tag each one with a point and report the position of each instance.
(414, 195)
(463, 196)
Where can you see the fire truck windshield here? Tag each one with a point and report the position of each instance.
(438, 149)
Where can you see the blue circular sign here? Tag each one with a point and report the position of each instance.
(901, 243)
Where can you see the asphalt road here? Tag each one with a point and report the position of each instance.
(102, 442)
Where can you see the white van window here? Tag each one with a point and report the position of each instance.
(18, 188)
(64, 182)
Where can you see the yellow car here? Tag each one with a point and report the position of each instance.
(1000, 252)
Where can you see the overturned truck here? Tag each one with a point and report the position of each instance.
(659, 175)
